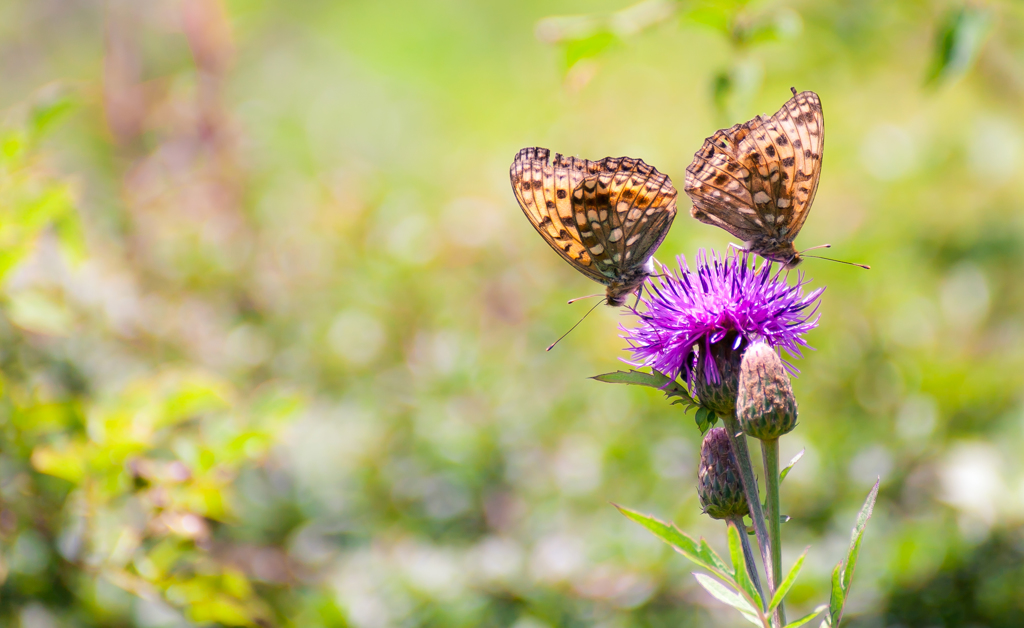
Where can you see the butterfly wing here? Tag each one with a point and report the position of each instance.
(719, 185)
(544, 194)
(800, 125)
(605, 217)
(757, 180)
(622, 213)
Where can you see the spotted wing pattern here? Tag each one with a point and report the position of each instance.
(606, 218)
(757, 180)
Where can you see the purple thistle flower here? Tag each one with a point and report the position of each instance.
(726, 296)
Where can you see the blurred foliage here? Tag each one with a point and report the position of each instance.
(272, 333)
(959, 41)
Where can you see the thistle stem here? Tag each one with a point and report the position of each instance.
(770, 454)
(739, 447)
(748, 556)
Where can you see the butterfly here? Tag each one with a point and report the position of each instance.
(606, 218)
(757, 180)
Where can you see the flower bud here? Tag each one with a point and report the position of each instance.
(766, 407)
(717, 389)
(718, 478)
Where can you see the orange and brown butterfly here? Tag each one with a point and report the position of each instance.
(606, 218)
(757, 180)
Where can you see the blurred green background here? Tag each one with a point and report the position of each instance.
(273, 325)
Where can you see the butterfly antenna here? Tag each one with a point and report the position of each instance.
(828, 246)
(601, 302)
(571, 301)
(820, 246)
(864, 266)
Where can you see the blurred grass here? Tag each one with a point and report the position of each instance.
(309, 203)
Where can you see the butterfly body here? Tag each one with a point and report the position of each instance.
(757, 180)
(605, 218)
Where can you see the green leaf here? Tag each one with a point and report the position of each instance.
(699, 553)
(705, 419)
(959, 40)
(787, 582)
(739, 565)
(724, 594)
(842, 576)
(806, 618)
(39, 313)
(68, 462)
(670, 387)
(712, 557)
(779, 25)
(577, 50)
(792, 463)
(50, 106)
(718, 18)
(858, 535)
(838, 597)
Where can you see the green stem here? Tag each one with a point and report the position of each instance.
(739, 447)
(748, 557)
(770, 454)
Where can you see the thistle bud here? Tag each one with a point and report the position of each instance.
(766, 407)
(717, 389)
(718, 478)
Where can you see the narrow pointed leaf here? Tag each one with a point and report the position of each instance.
(842, 576)
(792, 463)
(724, 594)
(838, 597)
(654, 379)
(712, 557)
(679, 540)
(959, 41)
(806, 618)
(858, 534)
(787, 582)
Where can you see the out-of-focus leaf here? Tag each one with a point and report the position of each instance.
(587, 36)
(842, 576)
(46, 418)
(808, 617)
(724, 594)
(36, 312)
(785, 471)
(777, 25)
(787, 582)
(50, 105)
(69, 462)
(958, 42)
(837, 598)
(219, 609)
(194, 394)
(717, 15)
(578, 49)
(12, 146)
(638, 17)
